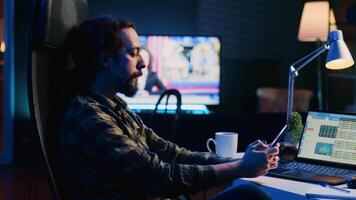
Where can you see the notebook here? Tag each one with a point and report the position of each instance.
(328, 193)
(327, 150)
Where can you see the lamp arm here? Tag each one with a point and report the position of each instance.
(311, 56)
(293, 73)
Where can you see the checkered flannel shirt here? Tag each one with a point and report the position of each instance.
(108, 153)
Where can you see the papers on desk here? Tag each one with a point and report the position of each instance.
(329, 193)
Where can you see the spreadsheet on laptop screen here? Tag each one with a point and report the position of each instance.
(329, 137)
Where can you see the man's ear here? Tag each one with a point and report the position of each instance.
(106, 61)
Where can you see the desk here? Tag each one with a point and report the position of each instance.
(280, 189)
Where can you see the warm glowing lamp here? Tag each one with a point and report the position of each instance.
(314, 24)
(338, 57)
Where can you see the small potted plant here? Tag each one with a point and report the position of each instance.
(291, 139)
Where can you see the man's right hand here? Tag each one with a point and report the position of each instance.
(259, 158)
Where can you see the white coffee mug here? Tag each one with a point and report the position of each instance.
(225, 144)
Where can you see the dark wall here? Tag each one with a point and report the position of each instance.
(241, 77)
(259, 42)
(152, 17)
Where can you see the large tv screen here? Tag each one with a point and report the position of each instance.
(190, 64)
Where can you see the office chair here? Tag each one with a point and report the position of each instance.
(48, 64)
(160, 124)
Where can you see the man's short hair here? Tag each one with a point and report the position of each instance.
(90, 40)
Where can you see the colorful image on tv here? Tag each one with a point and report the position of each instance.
(190, 64)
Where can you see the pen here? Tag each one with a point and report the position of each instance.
(333, 187)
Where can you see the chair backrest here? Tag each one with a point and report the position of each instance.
(47, 67)
(166, 95)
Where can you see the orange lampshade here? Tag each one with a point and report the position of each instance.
(314, 24)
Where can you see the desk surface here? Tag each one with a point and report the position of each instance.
(281, 189)
(278, 188)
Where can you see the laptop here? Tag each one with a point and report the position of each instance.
(327, 150)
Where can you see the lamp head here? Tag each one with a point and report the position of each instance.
(339, 56)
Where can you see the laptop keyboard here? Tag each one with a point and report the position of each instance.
(321, 170)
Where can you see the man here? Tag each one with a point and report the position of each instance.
(108, 152)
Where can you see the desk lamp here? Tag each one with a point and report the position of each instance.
(338, 57)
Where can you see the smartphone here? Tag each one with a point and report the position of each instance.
(279, 136)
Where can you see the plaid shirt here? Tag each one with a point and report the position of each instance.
(108, 153)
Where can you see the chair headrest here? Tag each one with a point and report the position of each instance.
(61, 16)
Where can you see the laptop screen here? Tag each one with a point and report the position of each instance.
(329, 137)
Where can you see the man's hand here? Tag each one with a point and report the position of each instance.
(258, 159)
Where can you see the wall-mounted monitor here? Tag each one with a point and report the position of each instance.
(190, 64)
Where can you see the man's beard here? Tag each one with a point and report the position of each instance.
(129, 87)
